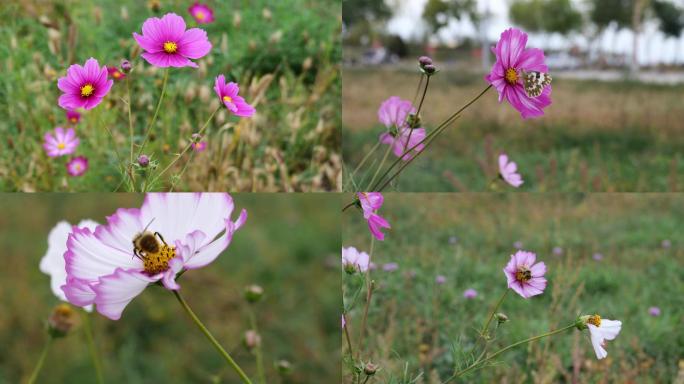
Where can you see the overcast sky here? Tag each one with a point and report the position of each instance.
(653, 48)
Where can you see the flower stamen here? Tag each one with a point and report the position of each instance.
(595, 320)
(61, 145)
(158, 262)
(199, 15)
(87, 90)
(511, 76)
(170, 47)
(227, 99)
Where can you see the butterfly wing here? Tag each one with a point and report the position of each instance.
(535, 82)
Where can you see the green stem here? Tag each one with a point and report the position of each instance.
(91, 346)
(346, 333)
(41, 360)
(369, 295)
(365, 158)
(211, 338)
(491, 315)
(130, 131)
(436, 131)
(156, 112)
(420, 106)
(257, 350)
(384, 158)
(502, 350)
(187, 147)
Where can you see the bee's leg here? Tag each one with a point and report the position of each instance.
(136, 254)
(160, 237)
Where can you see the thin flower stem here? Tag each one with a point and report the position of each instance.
(258, 351)
(420, 84)
(491, 315)
(91, 347)
(420, 107)
(156, 112)
(436, 131)
(346, 333)
(131, 175)
(187, 147)
(211, 338)
(180, 175)
(384, 158)
(365, 158)
(367, 378)
(41, 360)
(369, 295)
(502, 350)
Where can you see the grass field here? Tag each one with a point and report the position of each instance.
(594, 137)
(418, 328)
(285, 62)
(155, 341)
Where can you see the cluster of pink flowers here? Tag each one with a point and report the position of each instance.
(394, 113)
(61, 142)
(370, 203)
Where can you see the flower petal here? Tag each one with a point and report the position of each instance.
(194, 43)
(115, 291)
(211, 251)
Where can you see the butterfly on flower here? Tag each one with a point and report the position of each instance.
(534, 82)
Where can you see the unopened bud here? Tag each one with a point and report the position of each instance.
(369, 369)
(253, 293)
(61, 320)
(143, 161)
(429, 69)
(283, 367)
(424, 60)
(252, 339)
(126, 66)
(501, 317)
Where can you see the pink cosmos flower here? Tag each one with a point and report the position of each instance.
(183, 230)
(61, 143)
(115, 73)
(72, 116)
(654, 311)
(524, 276)
(470, 293)
(202, 13)
(399, 144)
(77, 166)
(394, 111)
(228, 94)
(508, 171)
(390, 267)
(440, 279)
(84, 86)
(199, 146)
(513, 62)
(353, 260)
(168, 44)
(52, 263)
(370, 203)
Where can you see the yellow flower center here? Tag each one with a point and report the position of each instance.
(227, 99)
(511, 76)
(61, 146)
(523, 274)
(595, 319)
(87, 90)
(116, 75)
(74, 120)
(158, 262)
(170, 47)
(199, 15)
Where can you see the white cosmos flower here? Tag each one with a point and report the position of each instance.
(353, 260)
(601, 330)
(52, 263)
(191, 230)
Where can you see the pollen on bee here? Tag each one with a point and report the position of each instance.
(155, 263)
(594, 319)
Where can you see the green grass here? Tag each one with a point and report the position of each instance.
(284, 61)
(594, 137)
(155, 341)
(428, 328)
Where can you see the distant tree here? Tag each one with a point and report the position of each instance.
(550, 16)
(354, 11)
(528, 14)
(437, 13)
(670, 17)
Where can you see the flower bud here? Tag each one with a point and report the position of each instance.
(126, 66)
(370, 369)
(252, 339)
(424, 60)
(501, 317)
(429, 69)
(283, 367)
(61, 320)
(253, 293)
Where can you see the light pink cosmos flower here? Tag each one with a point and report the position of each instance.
(440, 279)
(393, 113)
(202, 13)
(168, 44)
(77, 166)
(353, 260)
(524, 276)
(601, 330)
(509, 171)
(399, 143)
(654, 311)
(470, 293)
(73, 116)
(52, 263)
(190, 230)
(370, 203)
(61, 142)
(199, 146)
(390, 267)
(512, 60)
(84, 86)
(228, 94)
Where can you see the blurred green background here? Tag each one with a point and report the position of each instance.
(468, 238)
(289, 245)
(284, 54)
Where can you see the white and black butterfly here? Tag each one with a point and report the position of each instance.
(535, 82)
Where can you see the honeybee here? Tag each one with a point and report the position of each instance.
(147, 243)
(523, 274)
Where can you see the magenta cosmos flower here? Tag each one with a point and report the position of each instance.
(199, 146)
(171, 232)
(168, 44)
(73, 116)
(84, 86)
(228, 94)
(61, 142)
(77, 166)
(508, 171)
(370, 203)
(393, 113)
(524, 276)
(201, 13)
(520, 74)
(115, 73)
